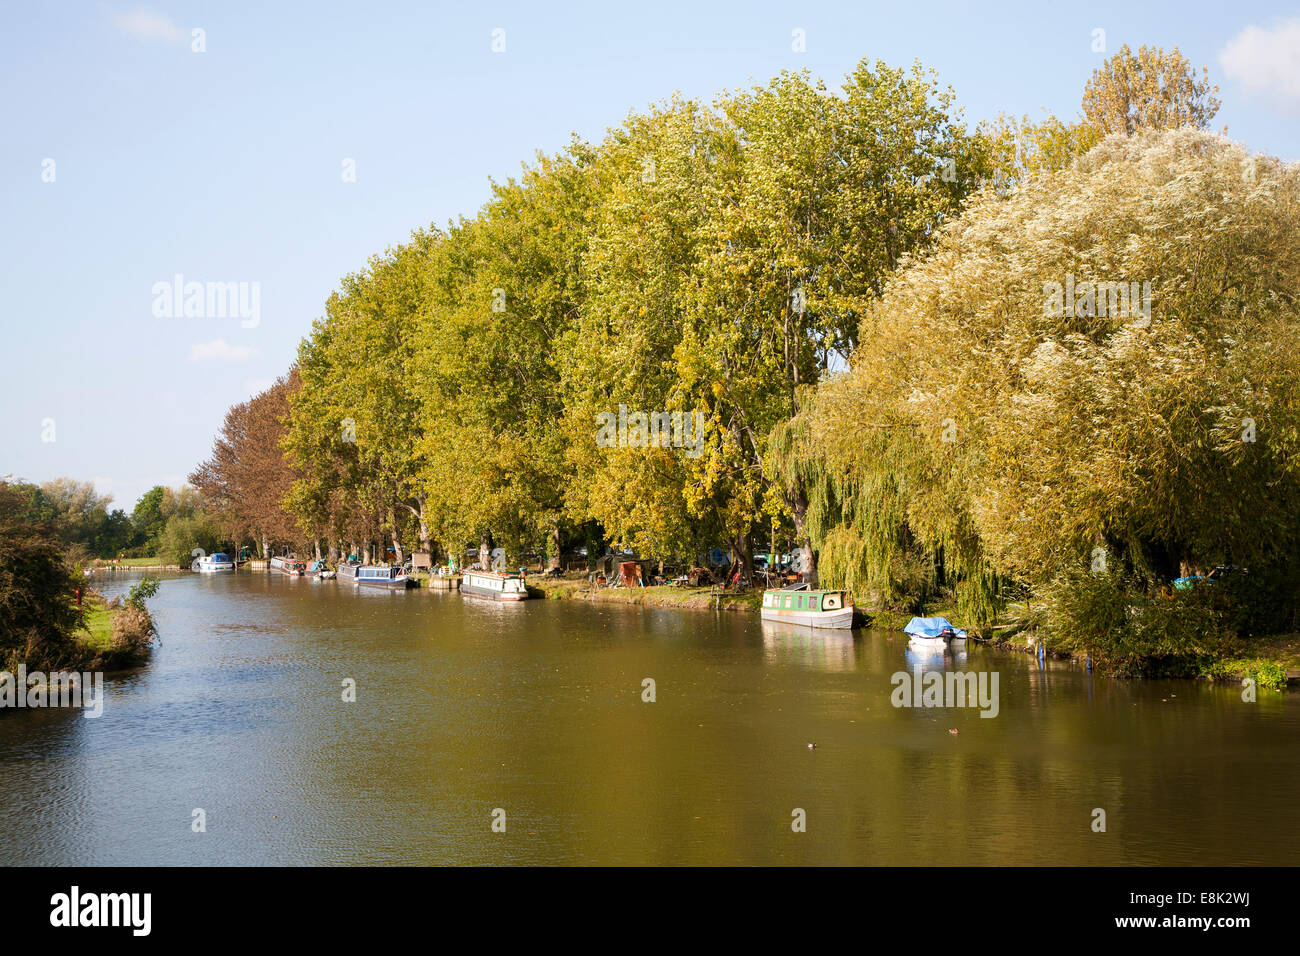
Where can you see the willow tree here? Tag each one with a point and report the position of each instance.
(1094, 374)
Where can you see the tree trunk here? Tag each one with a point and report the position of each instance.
(425, 546)
(800, 511)
(397, 544)
(553, 559)
(485, 551)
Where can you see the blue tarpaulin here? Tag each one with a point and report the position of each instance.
(930, 627)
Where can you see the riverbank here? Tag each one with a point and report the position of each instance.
(116, 635)
(1272, 662)
(132, 564)
(571, 589)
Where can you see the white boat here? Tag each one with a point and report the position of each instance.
(800, 604)
(932, 632)
(937, 643)
(497, 585)
(210, 563)
(375, 576)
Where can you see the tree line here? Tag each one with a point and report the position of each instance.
(851, 287)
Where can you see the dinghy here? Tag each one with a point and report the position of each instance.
(932, 632)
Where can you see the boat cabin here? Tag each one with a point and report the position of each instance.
(390, 573)
(803, 600)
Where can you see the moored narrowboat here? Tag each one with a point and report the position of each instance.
(376, 576)
(800, 604)
(497, 585)
(290, 566)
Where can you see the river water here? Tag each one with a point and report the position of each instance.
(535, 711)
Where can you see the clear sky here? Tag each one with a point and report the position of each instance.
(227, 165)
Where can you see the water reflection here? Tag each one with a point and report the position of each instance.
(827, 649)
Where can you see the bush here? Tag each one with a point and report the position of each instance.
(1127, 629)
(38, 615)
(134, 631)
(182, 535)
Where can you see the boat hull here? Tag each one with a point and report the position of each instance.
(927, 642)
(840, 618)
(491, 594)
(214, 568)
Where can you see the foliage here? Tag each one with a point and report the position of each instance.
(1150, 90)
(1268, 675)
(184, 534)
(996, 434)
(247, 478)
(141, 591)
(1121, 625)
(38, 615)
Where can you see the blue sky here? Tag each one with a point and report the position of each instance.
(226, 165)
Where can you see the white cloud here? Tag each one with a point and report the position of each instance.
(148, 25)
(256, 386)
(1266, 60)
(219, 351)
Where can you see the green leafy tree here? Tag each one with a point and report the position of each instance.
(38, 615)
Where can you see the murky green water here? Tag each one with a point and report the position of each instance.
(464, 706)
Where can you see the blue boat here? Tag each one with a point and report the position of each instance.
(932, 631)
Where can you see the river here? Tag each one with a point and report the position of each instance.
(465, 707)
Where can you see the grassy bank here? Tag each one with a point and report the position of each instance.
(98, 634)
(154, 563)
(568, 589)
(116, 635)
